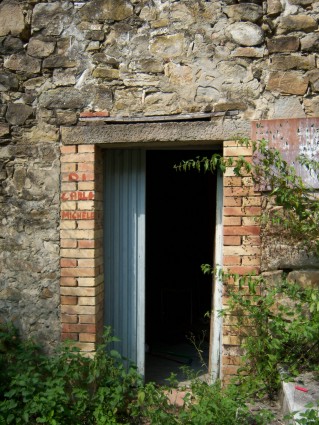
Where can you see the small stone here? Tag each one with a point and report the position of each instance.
(303, 3)
(244, 12)
(179, 74)
(10, 294)
(283, 44)
(310, 43)
(8, 80)
(11, 18)
(46, 293)
(160, 23)
(147, 65)
(102, 10)
(274, 7)
(314, 79)
(246, 33)
(95, 35)
(293, 62)
(93, 45)
(4, 129)
(66, 117)
(64, 77)
(249, 52)
(18, 113)
(34, 83)
(168, 46)
(106, 73)
(58, 61)
(40, 49)
(290, 82)
(292, 23)
(229, 105)
(23, 63)
(312, 106)
(10, 45)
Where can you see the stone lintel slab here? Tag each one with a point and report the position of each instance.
(172, 133)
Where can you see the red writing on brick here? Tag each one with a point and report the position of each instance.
(77, 196)
(77, 215)
(75, 177)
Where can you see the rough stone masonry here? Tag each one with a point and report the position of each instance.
(130, 58)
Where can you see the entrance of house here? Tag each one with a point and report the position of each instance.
(159, 228)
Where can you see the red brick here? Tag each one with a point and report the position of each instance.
(84, 337)
(68, 262)
(68, 149)
(232, 201)
(231, 260)
(240, 191)
(237, 151)
(238, 211)
(82, 243)
(86, 328)
(86, 166)
(65, 336)
(232, 360)
(232, 240)
(65, 300)
(68, 281)
(241, 230)
(69, 318)
(242, 270)
(78, 271)
(68, 243)
(87, 318)
(232, 181)
(251, 260)
(86, 148)
(232, 221)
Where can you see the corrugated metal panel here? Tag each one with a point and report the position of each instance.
(292, 137)
(124, 229)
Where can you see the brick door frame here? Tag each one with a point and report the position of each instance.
(81, 237)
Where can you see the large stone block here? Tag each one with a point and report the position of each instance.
(292, 23)
(290, 82)
(106, 10)
(63, 98)
(18, 113)
(23, 63)
(283, 44)
(293, 62)
(244, 12)
(314, 79)
(305, 278)
(11, 18)
(39, 48)
(10, 45)
(51, 18)
(274, 7)
(287, 107)
(168, 46)
(246, 33)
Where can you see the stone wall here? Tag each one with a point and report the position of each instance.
(139, 57)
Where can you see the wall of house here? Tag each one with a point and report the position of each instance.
(59, 59)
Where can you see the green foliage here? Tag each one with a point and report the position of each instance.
(68, 388)
(277, 328)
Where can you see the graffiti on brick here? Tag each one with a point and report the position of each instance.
(77, 215)
(77, 196)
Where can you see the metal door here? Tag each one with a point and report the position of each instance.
(124, 227)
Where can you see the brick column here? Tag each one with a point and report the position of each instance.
(242, 208)
(81, 242)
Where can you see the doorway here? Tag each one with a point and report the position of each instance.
(159, 228)
(180, 231)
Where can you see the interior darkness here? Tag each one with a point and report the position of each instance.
(180, 225)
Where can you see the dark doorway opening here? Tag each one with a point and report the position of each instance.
(180, 230)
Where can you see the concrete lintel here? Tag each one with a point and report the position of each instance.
(160, 133)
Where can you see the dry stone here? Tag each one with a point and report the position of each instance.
(305, 278)
(283, 44)
(310, 43)
(18, 113)
(10, 45)
(63, 98)
(244, 12)
(58, 61)
(39, 48)
(312, 106)
(274, 7)
(8, 80)
(101, 10)
(23, 63)
(168, 46)
(314, 80)
(287, 107)
(249, 52)
(292, 23)
(290, 82)
(106, 73)
(51, 18)
(246, 33)
(4, 129)
(11, 18)
(293, 62)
